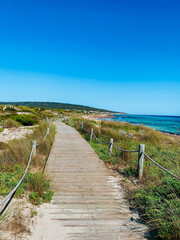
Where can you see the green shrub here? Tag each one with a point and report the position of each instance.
(130, 171)
(33, 213)
(39, 185)
(25, 120)
(36, 183)
(10, 109)
(160, 208)
(8, 181)
(47, 196)
(34, 198)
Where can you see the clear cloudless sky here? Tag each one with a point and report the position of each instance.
(121, 55)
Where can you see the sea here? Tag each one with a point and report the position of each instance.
(169, 124)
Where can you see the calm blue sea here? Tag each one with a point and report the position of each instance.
(169, 124)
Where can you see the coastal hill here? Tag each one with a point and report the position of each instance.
(56, 105)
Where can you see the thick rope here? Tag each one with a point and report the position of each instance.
(85, 129)
(99, 140)
(161, 167)
(44, 137)
(123, 150)
(20, 181)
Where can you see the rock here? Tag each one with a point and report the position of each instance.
(123, 133)
(131, 135)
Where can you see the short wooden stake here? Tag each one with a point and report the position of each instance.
(110, 146)
(141, 160)
(82, 126)
(91, 135)
(34, 148)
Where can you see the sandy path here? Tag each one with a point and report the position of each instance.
(88, 203)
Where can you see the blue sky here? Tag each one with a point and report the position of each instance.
(118, 55)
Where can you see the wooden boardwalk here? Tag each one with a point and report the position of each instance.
(88, 203)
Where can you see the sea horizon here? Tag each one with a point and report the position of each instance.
(164, 123)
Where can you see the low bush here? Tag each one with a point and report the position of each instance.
(26, 120)
(160, 207)
(36, 183)
(34, 198)
(11, 109)
(1, 129)
(130, 171)
(47, 196)
(3, 146)
(33, 213)
(10, 123)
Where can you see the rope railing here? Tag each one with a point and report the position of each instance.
(141, 154)
(85, 129)
(99, 140)
(45, 135)
(16, 187)
(123, 150)
(94, 136)
(9, 197)
(157, 164)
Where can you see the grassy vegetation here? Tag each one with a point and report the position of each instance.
(35, 183)
(25, 115)
(14, 157)
(15, 154)
(10, 123)
(17, 151)
(156, 195)
(20, 120)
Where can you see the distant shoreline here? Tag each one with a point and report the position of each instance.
(110, 116)
(105, 115)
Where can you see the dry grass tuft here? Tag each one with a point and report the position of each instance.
(10, 123)
(14, 224)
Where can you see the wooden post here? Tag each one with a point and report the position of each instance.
(82, 126)
(141, 160)
(110, 146)
(91, 135)
(34, 148)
